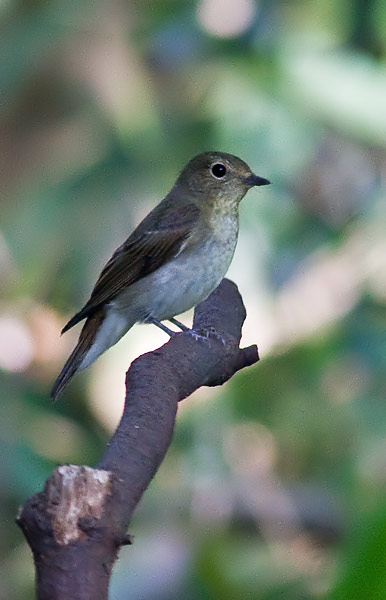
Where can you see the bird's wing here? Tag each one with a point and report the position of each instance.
(144, 251)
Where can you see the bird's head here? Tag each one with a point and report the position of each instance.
(217, 176)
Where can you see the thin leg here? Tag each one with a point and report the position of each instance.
(179, 324)
(161, 326)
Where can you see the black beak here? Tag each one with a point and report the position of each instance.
(252, 180)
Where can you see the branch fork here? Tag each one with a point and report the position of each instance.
(77, 524)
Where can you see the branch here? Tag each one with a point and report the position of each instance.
(77, 524)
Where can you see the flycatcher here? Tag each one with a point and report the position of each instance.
(171, 262)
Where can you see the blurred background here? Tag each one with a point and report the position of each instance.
(274, 486)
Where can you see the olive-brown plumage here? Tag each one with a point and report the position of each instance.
(172, 261)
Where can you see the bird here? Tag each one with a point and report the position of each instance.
(172, 261)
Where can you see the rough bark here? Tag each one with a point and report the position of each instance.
(77, 524)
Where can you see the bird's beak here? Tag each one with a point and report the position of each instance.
(253, 180)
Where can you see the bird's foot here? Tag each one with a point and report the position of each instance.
(202, 334)
(206, 334)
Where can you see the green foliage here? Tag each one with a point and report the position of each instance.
(274, 484)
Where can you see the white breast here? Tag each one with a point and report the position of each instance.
(182, 283)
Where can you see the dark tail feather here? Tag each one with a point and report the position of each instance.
(66, 373)
(86, 338)
(82, 314)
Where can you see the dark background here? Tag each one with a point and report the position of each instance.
(274, 486)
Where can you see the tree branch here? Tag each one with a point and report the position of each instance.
(77, 524)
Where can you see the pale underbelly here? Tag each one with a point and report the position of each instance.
(177, 286)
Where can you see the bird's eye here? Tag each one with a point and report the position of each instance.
(218, 170)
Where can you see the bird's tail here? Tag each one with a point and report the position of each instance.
(74, 362)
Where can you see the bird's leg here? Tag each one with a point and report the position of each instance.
(203, 334)
(161, 326)
(179, 324)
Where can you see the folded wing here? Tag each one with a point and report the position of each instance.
(158, 239)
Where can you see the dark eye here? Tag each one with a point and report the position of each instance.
(218, 170)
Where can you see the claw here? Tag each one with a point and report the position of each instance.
(206, 333)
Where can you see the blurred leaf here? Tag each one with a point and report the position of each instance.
(365, 562)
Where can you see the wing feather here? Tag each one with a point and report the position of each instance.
(159, 238)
